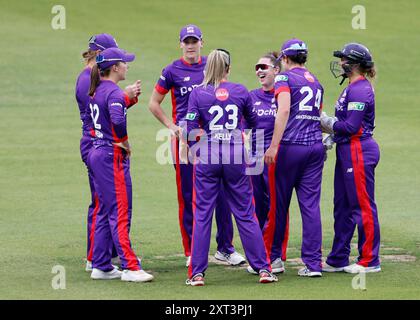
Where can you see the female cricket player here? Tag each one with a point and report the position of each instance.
(357, 158)
(217, 107)
(266, 69)
(181, 77)
(97, 43)
(110, 165)
(296, 162)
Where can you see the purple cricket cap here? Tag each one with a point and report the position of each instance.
(190, 31)
(292, 47)
(111, 56)
(102, 41)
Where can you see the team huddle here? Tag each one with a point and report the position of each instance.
(235, 152)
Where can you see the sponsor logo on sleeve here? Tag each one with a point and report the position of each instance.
(190, 116)
(281, 77)
(117, 104)
(356, 106)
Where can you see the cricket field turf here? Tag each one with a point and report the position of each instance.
(44, 190)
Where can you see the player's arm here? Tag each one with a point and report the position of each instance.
(117, 111)
(282, 116)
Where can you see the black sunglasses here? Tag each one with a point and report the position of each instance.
(227, 52)
(263, 66)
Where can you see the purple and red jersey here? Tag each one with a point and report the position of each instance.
(265, 108)
(306, 93)
(355, 111)
(219, 112)
(83, 100)
(108, 111)
(180, 77)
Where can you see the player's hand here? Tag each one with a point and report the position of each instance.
(270, 155)
(126, 146)
(133, 90)
(183, 152)
(327, 123)
(175, 130)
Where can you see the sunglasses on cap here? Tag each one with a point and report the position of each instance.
(263, 66)
(227, 52)
(92, 40)
(100, 58)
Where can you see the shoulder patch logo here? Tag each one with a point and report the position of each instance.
(191, 116)
(308, 77)
(222, 94)
(281, 77)
(355, 106)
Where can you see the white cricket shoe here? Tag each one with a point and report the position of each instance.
(327, 268)
(88, 267)
(136, 276)
(277, 266)
(357, 268)
(234, 259)
(196, 281)
(305, 272)
(188, 262)
(267, 277)
(102, 275)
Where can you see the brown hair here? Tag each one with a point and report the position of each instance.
(370, 72)
(89, 55)
(95, 77)
(274, 58)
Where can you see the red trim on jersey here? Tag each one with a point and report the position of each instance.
(93, 227)
(194, 207)
(281, 89)
(181, 203)
(173, 99)
(130, 102)
(92, 132)
(161, 89)
(189, 64)
(363, 199)
(271, 217)
(285, 240)
(116, 139)
(122, 207)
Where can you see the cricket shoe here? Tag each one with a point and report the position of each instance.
(234, 259)
(105, 275)
(277, 266)
(327, 268)
(196, 281)
(88, 267)
(267, 277)
(136, 276)
(305, 272)
(357, 268)
(188, 262)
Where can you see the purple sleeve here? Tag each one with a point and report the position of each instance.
(356, 107)
(192, 118)
(249, 116)
(118, 112)
(164, 84)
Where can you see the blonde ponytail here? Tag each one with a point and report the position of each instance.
(217, 66)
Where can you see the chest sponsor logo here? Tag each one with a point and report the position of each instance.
(355, 106)
(187, 79)
(265, 112)
(185, 90)
(257, 103)
(222, 94)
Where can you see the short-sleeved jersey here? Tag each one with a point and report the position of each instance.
(306, 93)
(82, 97)
(355, 111)
(108, 111)
(180, 78)
(219, 112)
(265, 108)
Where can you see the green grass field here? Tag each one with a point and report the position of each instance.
(43, 184)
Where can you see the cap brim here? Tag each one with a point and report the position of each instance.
(128, 57)
(190, 36)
